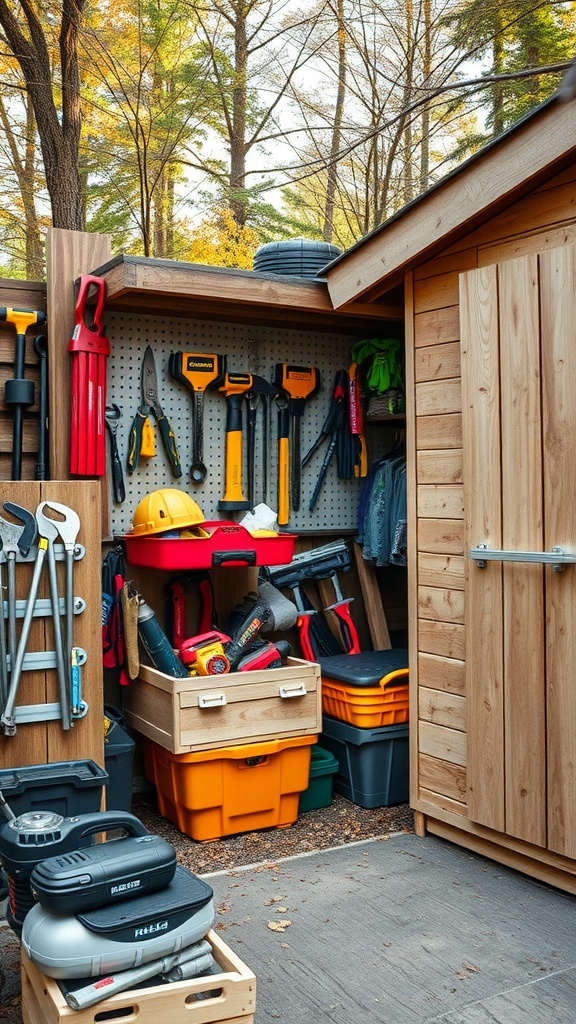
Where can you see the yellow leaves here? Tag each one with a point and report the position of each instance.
(221, 242)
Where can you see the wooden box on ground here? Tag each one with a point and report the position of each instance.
(228, 997)
(201, 712)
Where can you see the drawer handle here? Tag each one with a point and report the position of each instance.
(211, 700)
(293, 691)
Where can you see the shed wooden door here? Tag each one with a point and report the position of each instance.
(518, 343)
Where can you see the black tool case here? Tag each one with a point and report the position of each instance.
(104, 874)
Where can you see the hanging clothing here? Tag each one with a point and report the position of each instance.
(382, 515)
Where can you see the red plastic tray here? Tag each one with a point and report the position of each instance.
(228, 543)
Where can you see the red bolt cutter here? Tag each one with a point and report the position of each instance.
(90, 348)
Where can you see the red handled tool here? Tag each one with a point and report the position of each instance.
(89, 348)
(357, 420)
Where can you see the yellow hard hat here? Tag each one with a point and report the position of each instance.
(166, 509)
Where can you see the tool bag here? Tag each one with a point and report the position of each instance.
(113, 578)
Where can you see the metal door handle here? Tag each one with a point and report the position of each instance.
(558, 558)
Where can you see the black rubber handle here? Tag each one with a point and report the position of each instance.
(247, 557)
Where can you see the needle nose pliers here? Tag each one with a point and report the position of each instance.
(150, 405)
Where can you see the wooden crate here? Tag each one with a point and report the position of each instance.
(202, 712)
(232, 1000)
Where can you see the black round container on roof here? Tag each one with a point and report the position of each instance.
(297, 257)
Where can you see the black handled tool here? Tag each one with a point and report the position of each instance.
(298, 383)
(113, 417)
(150, 405)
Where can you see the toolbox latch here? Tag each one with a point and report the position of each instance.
(211, 700)
(293, 691)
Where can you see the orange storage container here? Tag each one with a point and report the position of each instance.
(212, 793)
(367, 690)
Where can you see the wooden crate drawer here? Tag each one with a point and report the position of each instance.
(202, 712)
(227, 997)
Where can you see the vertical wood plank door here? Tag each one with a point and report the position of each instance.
(518, 324)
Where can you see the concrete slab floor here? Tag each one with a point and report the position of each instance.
(390, 930)
(404, 930)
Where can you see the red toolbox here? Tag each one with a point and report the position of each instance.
(224, 543)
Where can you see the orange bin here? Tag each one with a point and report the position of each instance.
(367, 690)
(212, 793)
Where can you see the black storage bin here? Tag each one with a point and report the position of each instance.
(65, 787)
(373, 764)
(119, 757)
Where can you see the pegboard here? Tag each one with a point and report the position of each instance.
(249, 349)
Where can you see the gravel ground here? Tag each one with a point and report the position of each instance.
(343, 822)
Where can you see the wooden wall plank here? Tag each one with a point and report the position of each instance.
(538, 210)
(437, 326)
(440, 500)
(438, 362)
(436, 397)
(526, 244)
(482, 438)
(446, 639)
(442, 708)
(520, 404)
(448, 262)
(439, 431)
(442, 743)
(442, 604)
(442, 536)
(439, 467)
(558, 317)
(440, 570)
(436, 292)
(442, 673)
(442, 777)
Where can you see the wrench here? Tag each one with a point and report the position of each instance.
(15, 539)
(113, 416)
(7, 719)
(68, 528)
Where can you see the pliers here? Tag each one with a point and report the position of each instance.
(330, 429)
(150, 405)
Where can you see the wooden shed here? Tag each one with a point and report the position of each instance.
(482, 270)
(487, 262)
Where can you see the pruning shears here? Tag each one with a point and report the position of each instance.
(150, 406)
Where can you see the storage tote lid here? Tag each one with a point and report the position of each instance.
(368, 668)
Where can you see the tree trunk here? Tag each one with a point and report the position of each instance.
(59, 132)
(238, 134)
(329, 206)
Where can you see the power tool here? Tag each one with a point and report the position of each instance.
(204, 655)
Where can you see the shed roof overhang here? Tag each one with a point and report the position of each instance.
(533, 150)
(172, 288)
